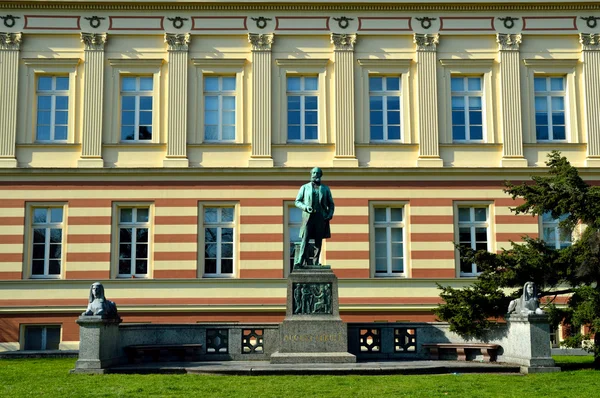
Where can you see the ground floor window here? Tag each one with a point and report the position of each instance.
(41, 338)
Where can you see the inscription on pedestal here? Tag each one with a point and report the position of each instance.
(312, 298)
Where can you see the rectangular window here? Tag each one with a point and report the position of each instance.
(219, 108)
(473, 232)
(136, 108)
(388, 224)
(47, 241)
(552, 234)
(294, 225)
(52, 108)
(41, 338)
(219, 228)
(550, 101)
(302, 108)
(467, 108)
(133, 242)
(384, 108)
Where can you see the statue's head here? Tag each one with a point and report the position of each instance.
(315, 175)
(96, 291)
(529, 291)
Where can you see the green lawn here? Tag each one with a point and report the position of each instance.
(50, 377)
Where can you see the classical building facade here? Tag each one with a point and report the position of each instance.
(158, 147)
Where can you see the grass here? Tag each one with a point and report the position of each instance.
(50, 377)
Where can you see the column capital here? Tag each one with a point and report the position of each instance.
(177, 41)
(10, 41)
(93, 41)
(509, 41)
(426, 42)
(343, 41)
(589, 41)
(261, 41)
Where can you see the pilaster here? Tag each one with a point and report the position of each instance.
(427, 106)
(590, 56)
(343, 57)
(510, 104)
(10, 44)
(177, 100)
(93, 93)
(261, 99)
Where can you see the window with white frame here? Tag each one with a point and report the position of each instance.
(467, 108)
(302, 108)
(294, 225)
(219, 108)
(550, 101)
(41, 337)
(133, 241)
(384, 108)
(52, 108)
(388, 225)
(219, 227)
(136, 108)
(473, 232)
(47, 241)
(554, 236)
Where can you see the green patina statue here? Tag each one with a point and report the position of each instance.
(316, 203)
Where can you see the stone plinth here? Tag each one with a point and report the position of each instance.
(99, 344)
(529, 343)
(312, 331)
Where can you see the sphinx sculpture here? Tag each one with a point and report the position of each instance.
(528, 303)
(98, 304)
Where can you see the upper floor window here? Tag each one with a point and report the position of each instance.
(302, 108)
(550, 101)
(554, 236)
(47, 242)
(384, 108)
(219, 226)
(133, 241)
(219, 108)
(136, 108)
(52, 108)
(467, 108)
(473, 232)
(388, 224)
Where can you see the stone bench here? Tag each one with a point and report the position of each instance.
(489, 351)
(163, 352)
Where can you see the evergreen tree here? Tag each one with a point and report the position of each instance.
(572, 272)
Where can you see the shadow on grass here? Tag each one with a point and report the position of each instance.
(579, 362)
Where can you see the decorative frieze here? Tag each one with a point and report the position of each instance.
(508, 41)
(426, 42)
(343, 42)
(93, 41)
(10, 41)
(589, 41)
(260, 41)
(177, 41)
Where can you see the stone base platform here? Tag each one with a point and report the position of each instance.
(312, 357)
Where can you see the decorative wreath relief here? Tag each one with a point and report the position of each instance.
(10, 20)
(426, 22)
(509, 22)
(177, 22)
(95, 21)
(261, 22)
(343, 22)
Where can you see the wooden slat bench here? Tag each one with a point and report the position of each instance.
(163, 352)
(489, 351)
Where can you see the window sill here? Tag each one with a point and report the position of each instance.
(45, 144)
(139, 144)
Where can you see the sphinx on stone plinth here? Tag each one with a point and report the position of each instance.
(528, 303)
(99, 304)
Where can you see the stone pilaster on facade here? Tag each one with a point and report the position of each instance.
(343, 61)
(10, 44)
(590, 55)
(510, 100)
(177, 100)
(93, 83)
(261, 99)
(427, 106)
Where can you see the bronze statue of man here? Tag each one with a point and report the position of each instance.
(316, 203)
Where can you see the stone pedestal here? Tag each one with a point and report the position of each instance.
(529, 343)
(99, 344)
(312, 331)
